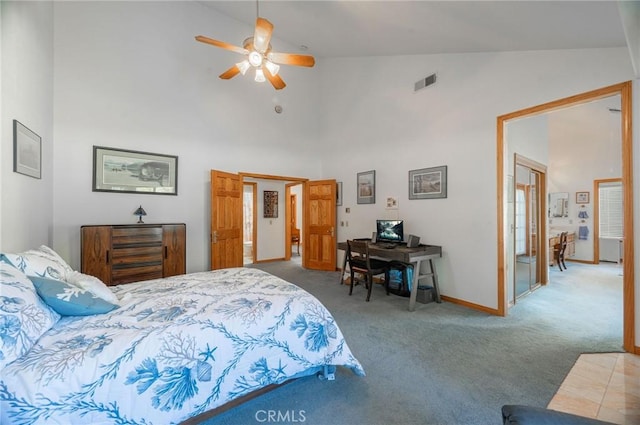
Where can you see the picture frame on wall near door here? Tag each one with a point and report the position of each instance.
(582, 197)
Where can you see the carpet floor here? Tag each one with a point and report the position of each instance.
(444, 363)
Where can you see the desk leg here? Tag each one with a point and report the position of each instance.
(414, 286)
(434, 275)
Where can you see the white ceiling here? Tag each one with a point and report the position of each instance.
(385, 28)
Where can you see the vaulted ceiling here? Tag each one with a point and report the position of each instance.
(384, 28)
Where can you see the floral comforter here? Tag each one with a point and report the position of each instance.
(175, 348)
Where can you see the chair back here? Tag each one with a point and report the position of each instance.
(358, 254)
(563, 242)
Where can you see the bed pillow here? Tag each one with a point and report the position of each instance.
(23, 315)
(43, 262)
(93, 285)
(68, 299)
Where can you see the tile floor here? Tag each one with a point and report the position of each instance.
(602, 386)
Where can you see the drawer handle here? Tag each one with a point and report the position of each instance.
(107, 256)
(166, 252)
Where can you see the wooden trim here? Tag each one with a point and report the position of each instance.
(198, 419)
(470, 305)
(272, 177)
(624, 90)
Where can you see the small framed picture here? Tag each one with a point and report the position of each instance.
(428, 183)
(270, 204)
(582, 197)
(366, 185)
(27, 151)
(338, 193)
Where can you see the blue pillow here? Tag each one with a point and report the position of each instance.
(69, 300)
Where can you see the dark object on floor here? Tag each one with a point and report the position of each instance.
(528, 415)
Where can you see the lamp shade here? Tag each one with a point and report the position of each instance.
(140, 212)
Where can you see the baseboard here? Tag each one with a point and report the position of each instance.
(473, 306)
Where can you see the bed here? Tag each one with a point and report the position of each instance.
(165, 351)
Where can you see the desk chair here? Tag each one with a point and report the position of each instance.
(559, 249)
(359, 261)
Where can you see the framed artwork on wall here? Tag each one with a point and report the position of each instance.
(338, 193)
(366, 185)
(428, 183)
(582, 197)
(27, 151)
(270, 204)
(121, 170)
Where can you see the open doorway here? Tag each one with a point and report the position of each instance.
(529, 226)
(249, 219)
(624, 91)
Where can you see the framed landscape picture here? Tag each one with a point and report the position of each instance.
(366, 185)
(428, 183)
(27, 151)
(121, 170)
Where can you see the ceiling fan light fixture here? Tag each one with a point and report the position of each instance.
(272, 67)
(243, 66)
(255, 59)
(260, 76)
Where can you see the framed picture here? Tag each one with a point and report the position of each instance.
(366, 185)
(121, 170)
(428, 183)
(338, 193)
(270, 204)
(582, 197)
(27, 151)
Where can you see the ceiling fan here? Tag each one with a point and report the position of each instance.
(259, 55)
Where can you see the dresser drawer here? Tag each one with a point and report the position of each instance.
(137, 254)
(126, 274)
(126, 236)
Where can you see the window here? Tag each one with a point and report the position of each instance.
(610, 209)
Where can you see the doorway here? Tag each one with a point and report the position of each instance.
(249, 220)
(528, 228)
(624, 90)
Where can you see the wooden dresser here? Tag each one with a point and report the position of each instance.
(132, 252)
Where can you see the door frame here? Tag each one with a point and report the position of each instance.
(624, 90)
(596, 216)
(289, 181)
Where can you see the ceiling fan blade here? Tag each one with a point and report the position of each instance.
(291, 59)
(222, 44)
(230, 73)
(262, 35)
(276, 81)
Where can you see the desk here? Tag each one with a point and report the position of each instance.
(414, 256)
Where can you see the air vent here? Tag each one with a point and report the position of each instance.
(425, 82)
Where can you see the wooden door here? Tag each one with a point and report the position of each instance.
(96, 252)
(174, 250)
(319, 225)
(226, 220)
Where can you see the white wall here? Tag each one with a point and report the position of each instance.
(374, 120)
(26, 219)
(585, 145)
(130, 75)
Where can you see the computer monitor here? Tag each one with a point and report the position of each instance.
(390, 231)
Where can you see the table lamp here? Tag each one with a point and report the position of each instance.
(140, 212)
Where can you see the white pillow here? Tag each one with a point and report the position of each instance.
(91, 284)
(42, 262)
(23, 315)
